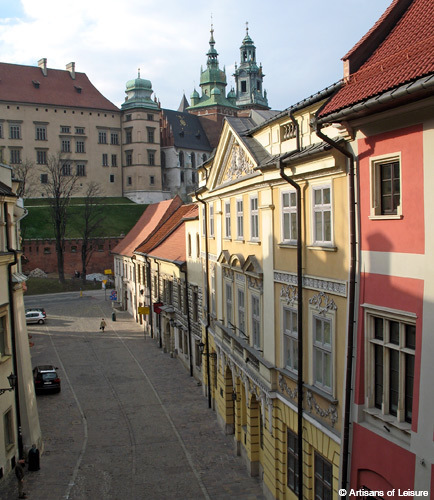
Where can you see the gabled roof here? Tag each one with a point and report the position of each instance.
(152, 217)
(27, 84)
(405, 55)
(168, 228)
(187, 130)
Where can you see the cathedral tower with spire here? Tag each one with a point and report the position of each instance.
(248, 78)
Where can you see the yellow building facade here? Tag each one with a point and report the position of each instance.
(248, 219)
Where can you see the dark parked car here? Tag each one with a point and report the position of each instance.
(46, 379)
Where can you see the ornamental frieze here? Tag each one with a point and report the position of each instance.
(323, 303)
(239, 165)
(319, 284)
(331, 412)
(292, 393)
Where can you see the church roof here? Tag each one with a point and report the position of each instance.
(27, 84)
(184, 104)
(187, 130)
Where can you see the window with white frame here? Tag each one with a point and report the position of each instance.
(254, 218)
(213, 302)
(211, 220)
(14, 131)
(240, 220)
(386, 186)
(290, 339)
(322, 215)
(203, 220)
(228, 219)
(322, 353)
(229, 304)
(41, 132)
(241, 308)
(390, 362)
(256, 321)
(289, 217)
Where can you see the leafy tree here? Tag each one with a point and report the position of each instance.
(59, 187)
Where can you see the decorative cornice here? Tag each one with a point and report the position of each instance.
(331, 412)
(323, 303)
(320, 284)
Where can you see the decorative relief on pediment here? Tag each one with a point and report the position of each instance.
(238, 165)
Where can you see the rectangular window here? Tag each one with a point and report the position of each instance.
(114, 160)
(112, 178)
(129, 158)
(150, 117)
(392, 342)
(79, 130)
(151, 180)
(15, 155)
(289, 217)
(254, 218)
(323, 478)
(240, 220)
(105, 160)
(114, 138)
(8, 424)
(79, 147)
(3, 342)
(128, 136)
(129, 181)
(290, 339)
(322, 353)
(292, 461)
(66, 146)
(229, 305)
(256, 322)
(241, 311)
(66, 169)
(102, 137)
(322, 215)
(14, 131)
(211, 220)
(204, 220)
(81, 170)
(386, 187)
(213, 302)
(41, 133)
(44, 178)
(65, 130)
(151, 134)
(151, 158)
(195, 305)
(228, 219)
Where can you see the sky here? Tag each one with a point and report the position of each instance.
(300, 44)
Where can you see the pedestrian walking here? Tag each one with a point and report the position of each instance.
(102, 325)
(33, 458)
(19, 472)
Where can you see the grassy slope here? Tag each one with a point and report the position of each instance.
(119, 216)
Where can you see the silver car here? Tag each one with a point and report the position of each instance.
(35, 317)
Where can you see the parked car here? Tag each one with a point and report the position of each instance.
(46, 379)
(33, 316)
(41, 309)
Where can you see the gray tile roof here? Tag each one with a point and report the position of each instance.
(187, 130)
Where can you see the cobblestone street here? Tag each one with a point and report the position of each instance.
(130, 422)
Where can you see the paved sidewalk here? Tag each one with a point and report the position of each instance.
(149, 418)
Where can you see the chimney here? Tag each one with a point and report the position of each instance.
(71, 68)
(42, 63)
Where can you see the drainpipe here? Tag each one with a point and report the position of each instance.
(299, 308)
(13, 326)
(148, 277)
(351, 297)
(160, 343)
(208, 374)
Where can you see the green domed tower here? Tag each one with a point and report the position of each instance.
(248, 78)
(139, 93)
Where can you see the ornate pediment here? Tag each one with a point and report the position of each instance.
(237, 164)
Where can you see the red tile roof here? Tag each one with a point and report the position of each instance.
(406, 54)
(152, 217)
(19, 84)
(168, 242)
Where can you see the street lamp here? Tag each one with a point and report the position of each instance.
(12, 379)
(201, 346)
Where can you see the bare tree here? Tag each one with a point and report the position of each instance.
(59, 187)
(24, 172)
(91, 221)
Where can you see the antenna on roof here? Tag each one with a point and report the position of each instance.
(138, 73)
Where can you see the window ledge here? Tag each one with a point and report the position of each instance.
(5, 358)
(328, 248)
(254, 242)
(227, 238)
(388, 419)
(240, 240)
(287, 245)
(320, 392)
(386, 217)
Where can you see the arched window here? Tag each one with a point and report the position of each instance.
(181, 158)
(193, 160)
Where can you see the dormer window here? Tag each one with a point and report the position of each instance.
(36, 84)
(78, 89)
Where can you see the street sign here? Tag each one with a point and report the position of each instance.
(143, 310)
(113, 295)
(108, 271)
